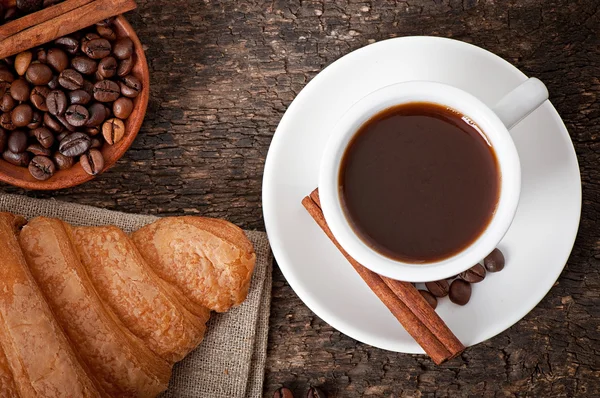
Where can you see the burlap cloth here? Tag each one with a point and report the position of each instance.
(230, 362)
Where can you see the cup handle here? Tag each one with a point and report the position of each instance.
(521, 101)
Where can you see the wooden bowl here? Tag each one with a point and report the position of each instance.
(20, 176)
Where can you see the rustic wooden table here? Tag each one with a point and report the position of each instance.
(222, 76)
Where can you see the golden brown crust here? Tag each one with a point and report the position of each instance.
(210, 261)
(142, 301)
(36, 350)
(121, 362)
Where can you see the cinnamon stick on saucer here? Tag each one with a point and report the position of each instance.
(59, 20)
(401, 298)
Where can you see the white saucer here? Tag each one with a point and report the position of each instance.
(536, 247)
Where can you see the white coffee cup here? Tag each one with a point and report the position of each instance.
(494, 123)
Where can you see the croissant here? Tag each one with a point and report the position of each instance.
(93, 312)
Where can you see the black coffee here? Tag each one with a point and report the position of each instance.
(419, 183)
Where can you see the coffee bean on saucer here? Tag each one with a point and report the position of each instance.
(75, 144)
(96, 143)
(107, 67)
(70, 79)
(56, 102)
(38, 150)
(430, 298)
(123, 48)
(52, 123)
(54, 84)
(68, 43)
(106, 91)
(106, 32)
(42, 168)
(22, 115)
(92, 162)
(7, 103)
(19, 90)
(29, 6)
(97, 48)
(475, 274)
(97, 113)
(18, 159)
(17, 141)
(44, 137)
(122, 108)
(66, 124)
(113, 131)
(36, 121)
(460, 292)
(22, 62)
(125, 67)
(84, 65)
(77, 115)
(41, 55)
(494, 262)
(6, 76)
(438, 288)
(39, 74)
(62, 135)
(57, 59)
(6, 122)
(63, 162)
(130, 86)
(38, 97)
(79, 97)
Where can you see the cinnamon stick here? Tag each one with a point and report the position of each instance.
(401, 298)
(59, 20)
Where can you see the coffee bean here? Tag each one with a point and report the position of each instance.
(54, 84)
(57, 59)
(18, 159)
(77, 115)
(22, 62)
(52, 123)
(97, 113)
(36, 121)
(65, 123)
(460, 292)
(38, 97)
(4, 88)
(106, 91)
(107, 67)
(125, 67)
(38, 150)
(106, 22)
(44, 137)
(438, 288)
(29, 6)
(6, 76)
(96, 143)
(494, 262)
(56, 102)
(84, 65)
(475, 274)
(283, 393)
(42, 168)
(19, 90)
(3, 139)
(6, 122)
(106, 32)
(62, 135)
(92, 131)
(122, 108)
(430, 298)
(41, 55)
(79, 97)
(39, 74)
(17, 141)
(63, 162)
(123, 48)
(130, 86)
(113, 131)
(75, 144)
(88, 87)
(92, 162)
(70, 79)
(22, 115)
(68, 43)
(96, 48)
(7, 103)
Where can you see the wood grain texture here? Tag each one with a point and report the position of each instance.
(222, 75)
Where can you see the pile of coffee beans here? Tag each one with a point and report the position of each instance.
(62, 102)
(458, 288)
(23, 7)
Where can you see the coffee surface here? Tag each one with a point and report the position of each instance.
(419, 182)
